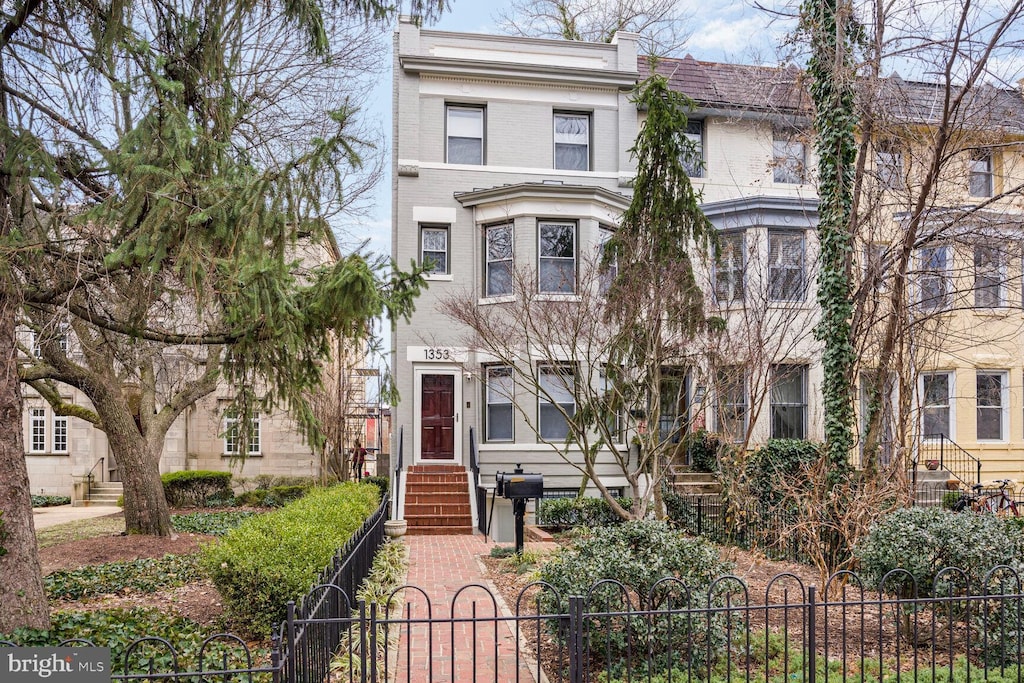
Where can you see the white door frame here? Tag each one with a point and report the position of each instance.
(418, 373)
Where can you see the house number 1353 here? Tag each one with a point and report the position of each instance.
(437, 353)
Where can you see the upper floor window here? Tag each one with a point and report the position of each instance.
(786, 265)
(693, 158)
(789, 401)
(933, 278)
(609, 264)
(875, 256)
(889, 165)
(936, 404)
(232, 438)
(434, 248)
(788, 160)
(980, 182)
(465, 130)
(498, 254)
(572, 142)
(499, 390)
(729, 269)
(989, 275)
(556, 267)
(556, 400)
(37, 430)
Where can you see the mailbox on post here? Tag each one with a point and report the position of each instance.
(519, 486)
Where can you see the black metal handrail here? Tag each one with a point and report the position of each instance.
(951, 457)
(88, 479)
(396, 485)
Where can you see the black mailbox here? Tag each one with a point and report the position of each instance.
(521, 485)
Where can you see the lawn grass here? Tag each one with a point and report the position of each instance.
(79, 529)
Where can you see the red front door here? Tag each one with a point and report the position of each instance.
(437, 418)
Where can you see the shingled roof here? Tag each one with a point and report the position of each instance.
(782, 90)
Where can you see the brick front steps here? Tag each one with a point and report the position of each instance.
(437, 500)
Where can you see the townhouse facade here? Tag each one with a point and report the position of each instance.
(513, 152)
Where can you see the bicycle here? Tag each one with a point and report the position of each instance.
(998, 502)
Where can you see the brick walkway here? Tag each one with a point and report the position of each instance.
(441, 566)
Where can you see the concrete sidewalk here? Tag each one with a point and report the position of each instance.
(59, 514)
(482, 650)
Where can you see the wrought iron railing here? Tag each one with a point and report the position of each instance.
(88, 478)
(949, 456)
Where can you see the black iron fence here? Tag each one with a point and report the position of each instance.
(947, 455)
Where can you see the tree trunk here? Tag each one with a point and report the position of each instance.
(22, 599)
(145, 506)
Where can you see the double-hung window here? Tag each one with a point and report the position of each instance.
(789, 401)
(499, 391)
(981, 171)
(434, 248)
(609, 264)
(556, 400)
(572, 141)
(60, 434)
(788, 161)
(232, 437)
(465, 131)
(787, 264)
(498, 255)
(37, 430)
(556, 268)
(731, 413)
(889, 165)
(674, 404)
(729, 269)
(936, 404)
(992, 404)
(693, 155)
(989, 275)
(933, 281)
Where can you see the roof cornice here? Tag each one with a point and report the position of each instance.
(476, 68)
(505, 193)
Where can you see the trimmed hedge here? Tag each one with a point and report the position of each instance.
(565, 513)
(273, 558)
(191, 488)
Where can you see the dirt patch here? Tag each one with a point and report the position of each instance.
(101, 549)
(197, 601)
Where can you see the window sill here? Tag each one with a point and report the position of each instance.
(504, 299)
(571, 298)
(438, 277)
(236, 455)
(47, 454)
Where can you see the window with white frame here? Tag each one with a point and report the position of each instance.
(884, 435)
(989, 276)
(609, 264)
(731, 413)
(787, 265)
(499, 389)
(232, 437)
(37, 430)
(556, 267)
(992, 405)
(936, 404)
(693, 158)
(933, 282)
(498, 255)
(981, 171)
(556, 400)
(889, 165)
(35, 345)
(788, 160)
(465, 132)
(572, 141)
(60, 434)
(434, 248)
(789, 401)
(729, 269)
(674, 404)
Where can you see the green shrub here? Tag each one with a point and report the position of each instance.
(257, 498)
(146, 575)
(950, 499)
(704, 448)
(923, 540)
(50, 501)
(273, 558)
(381, 482)
(286, 494)
(565, 513)
(779, 461)
(119, 628)
(639, 553)
(191, 488)
(211, 523)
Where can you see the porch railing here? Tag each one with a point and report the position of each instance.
(951, 457)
